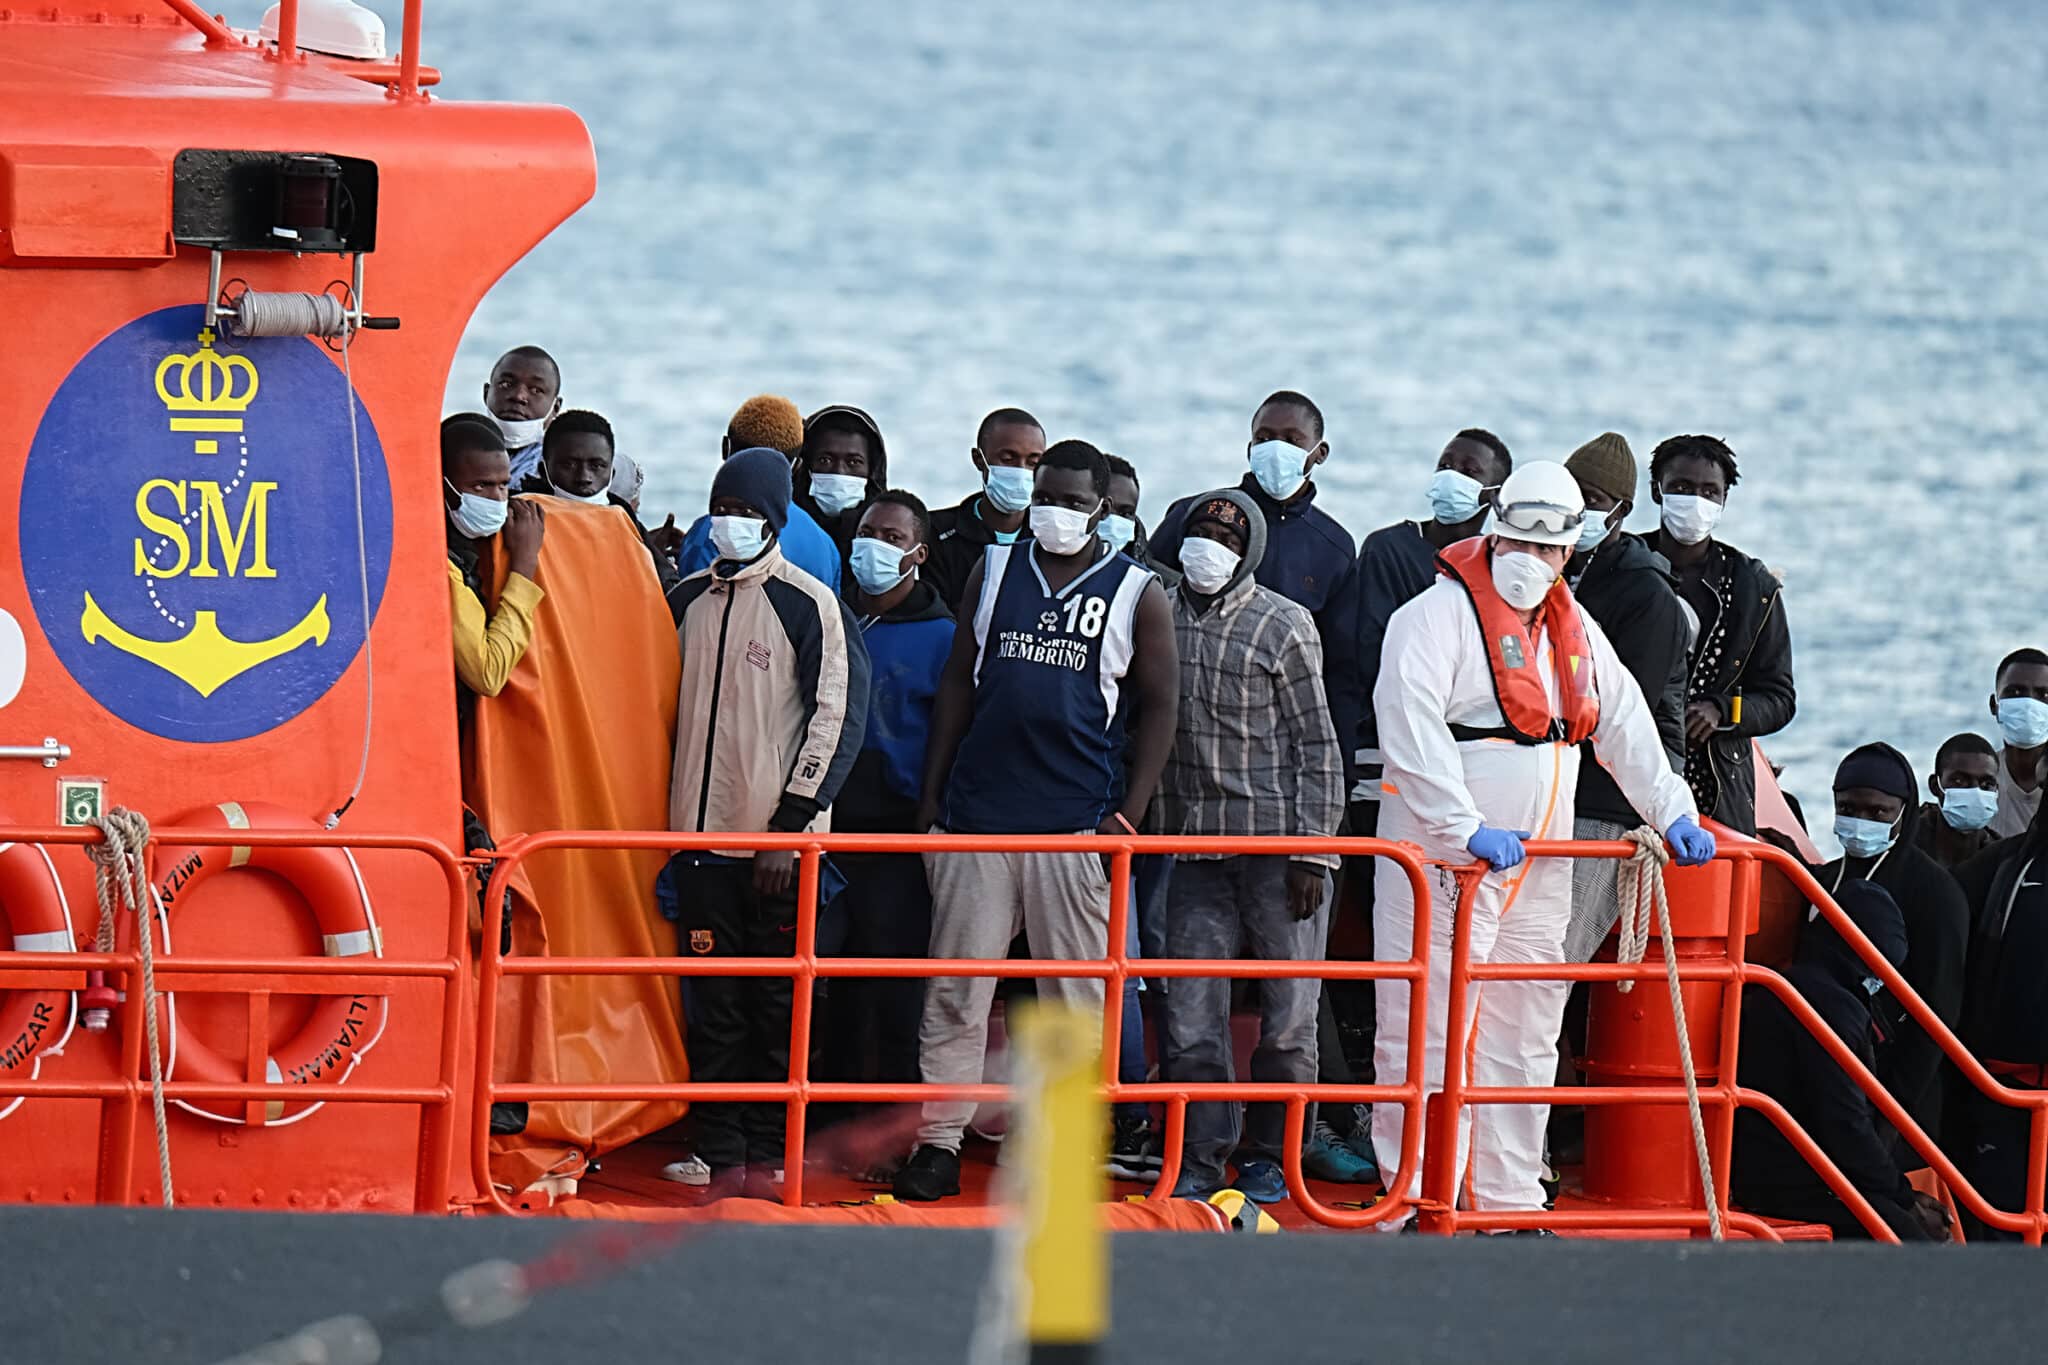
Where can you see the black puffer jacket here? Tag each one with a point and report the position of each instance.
(1628, 588)
(1746, 652)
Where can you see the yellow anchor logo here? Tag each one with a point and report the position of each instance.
(206, 659)
(205, 393)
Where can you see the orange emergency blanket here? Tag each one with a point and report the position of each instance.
(582, 737)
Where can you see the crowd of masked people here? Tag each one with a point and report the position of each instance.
(1033, 660)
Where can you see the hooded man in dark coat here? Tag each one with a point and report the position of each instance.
(842, 465)
(1875, 816)
(1782, 1059)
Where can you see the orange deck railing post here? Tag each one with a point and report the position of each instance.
(803, 988)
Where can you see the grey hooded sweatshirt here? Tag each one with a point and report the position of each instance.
(1255, 752)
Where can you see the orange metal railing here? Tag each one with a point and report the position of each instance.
(125, 1097)
(1724, 1096)
(1440, 1110)
(805, 967)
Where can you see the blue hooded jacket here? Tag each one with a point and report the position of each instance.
(907, 651)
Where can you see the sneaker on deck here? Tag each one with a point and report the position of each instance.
(931, 1173)
(1188, 1187)
(691, 1170)
(1133, 1150)
(1261, 1181)
(1329, 1158)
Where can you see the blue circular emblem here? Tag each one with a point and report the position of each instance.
(188, 527)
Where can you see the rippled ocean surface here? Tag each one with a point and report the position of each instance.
(1813, 229)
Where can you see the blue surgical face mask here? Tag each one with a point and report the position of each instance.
(1009, 487)
(1454, 497)
(1593, 530)
(1968, 808)
(2023, 721)
(477, 516)
(741, 538)
(1116, 532)
(1864, 838)
(877, 565)
(1280, 468)
(835, 493)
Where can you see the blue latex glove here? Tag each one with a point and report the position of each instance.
(1501, 848)
(1690, 845)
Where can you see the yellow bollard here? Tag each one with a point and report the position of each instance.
(1065, 1259)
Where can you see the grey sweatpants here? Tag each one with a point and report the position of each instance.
(979, 902)
(1214, 908)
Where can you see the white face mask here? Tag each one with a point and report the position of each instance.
(1116, 531)
(835, 493)
(2023, 721)
(1280, 468)
(627, 477)
(1009, 487)
(741, 538)
(479, 517)
(1208, 564)
(1521, 578)
(520, 435)
(1690, 519)
(1060, 530)
(601, 498)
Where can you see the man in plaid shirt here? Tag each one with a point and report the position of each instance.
(1254, 753)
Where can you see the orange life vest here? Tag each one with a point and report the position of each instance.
(1511, 655)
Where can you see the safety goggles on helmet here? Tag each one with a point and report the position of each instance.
(1545, 519)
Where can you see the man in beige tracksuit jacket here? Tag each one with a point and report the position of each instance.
(774, 705)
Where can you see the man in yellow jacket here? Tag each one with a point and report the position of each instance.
(476, 484)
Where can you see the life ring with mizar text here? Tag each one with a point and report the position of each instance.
(342, 1029)
(33, 1024)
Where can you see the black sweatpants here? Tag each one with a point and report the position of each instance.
(872, 1034)
(1993, 1158)
(739, 1026)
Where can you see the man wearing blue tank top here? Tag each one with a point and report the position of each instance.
(1026, 738)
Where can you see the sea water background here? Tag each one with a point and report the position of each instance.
(1813, 229)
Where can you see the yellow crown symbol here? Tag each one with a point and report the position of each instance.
(205, 381)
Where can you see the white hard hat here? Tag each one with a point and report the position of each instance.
(1540, 503)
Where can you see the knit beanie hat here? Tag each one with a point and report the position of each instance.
(760, 479)
(1606, 463)
(1879, 767)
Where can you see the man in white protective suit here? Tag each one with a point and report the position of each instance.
(1488, 682)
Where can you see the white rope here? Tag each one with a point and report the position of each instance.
(1641, 888)
(288, 315)
(118, 870)
(355, 450)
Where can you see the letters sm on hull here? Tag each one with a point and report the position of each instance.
(188, 527)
